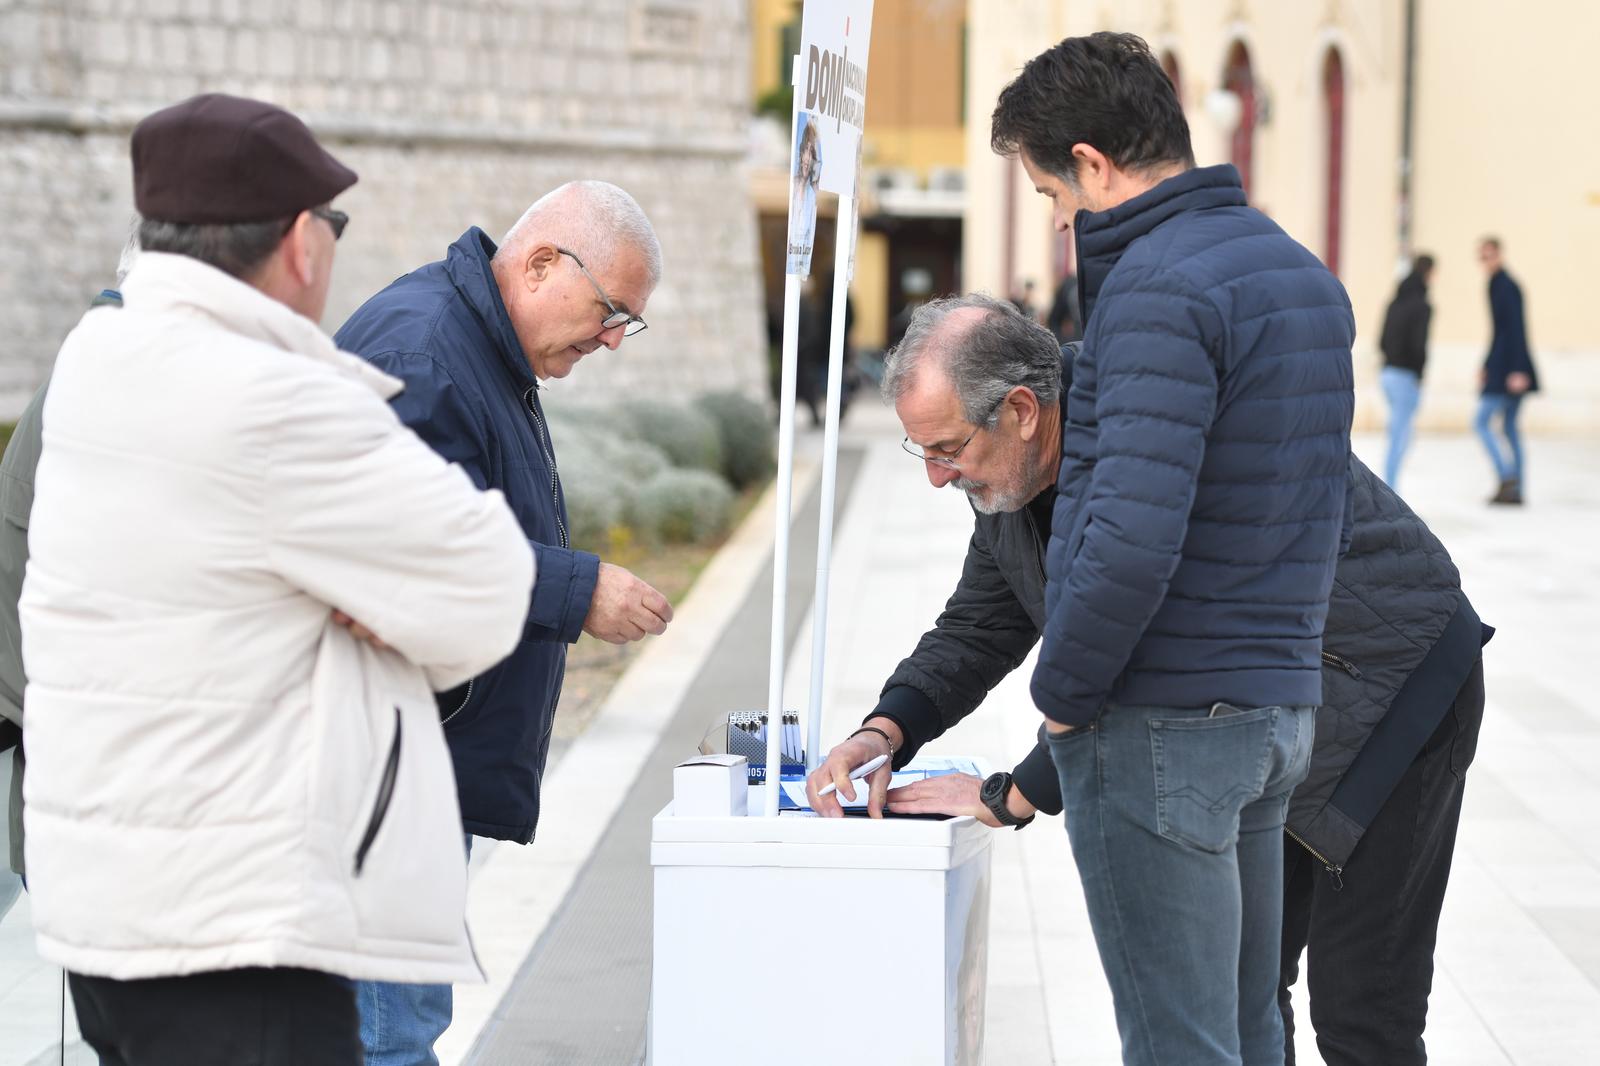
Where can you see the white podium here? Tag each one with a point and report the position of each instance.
(882, 950)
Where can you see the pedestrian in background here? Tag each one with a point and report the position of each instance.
(1404, 343)
(1508, 374)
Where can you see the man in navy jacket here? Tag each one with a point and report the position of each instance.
(1200, 510)
(1508, 373)
(472, 336)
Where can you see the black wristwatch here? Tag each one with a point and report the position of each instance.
(993, 794)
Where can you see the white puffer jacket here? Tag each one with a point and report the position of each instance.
(218, 775)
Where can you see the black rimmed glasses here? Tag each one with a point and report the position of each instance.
(617, 317)
(336, 220)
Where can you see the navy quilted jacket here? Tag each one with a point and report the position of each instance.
(1202, 496)
(471, 395)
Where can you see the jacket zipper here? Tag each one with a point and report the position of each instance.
(380, 807)
(549, 461)
(1335, 872)
(463, 704)
(1342, 663)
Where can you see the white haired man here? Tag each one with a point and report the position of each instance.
(472, 335)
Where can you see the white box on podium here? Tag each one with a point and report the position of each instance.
(882, 942)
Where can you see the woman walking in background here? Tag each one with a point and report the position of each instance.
(1405, 350)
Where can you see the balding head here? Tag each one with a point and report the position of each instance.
(594, 219)
(981, 346)
(582, 255)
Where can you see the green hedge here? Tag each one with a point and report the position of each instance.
(654, 472)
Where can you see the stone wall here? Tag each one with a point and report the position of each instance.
(454, 113)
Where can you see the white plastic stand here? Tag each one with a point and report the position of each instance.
(881, 943)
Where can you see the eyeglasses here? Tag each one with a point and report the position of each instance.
(617, 316)
(919, 452)
(337, 219)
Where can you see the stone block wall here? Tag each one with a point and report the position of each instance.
(454, 113)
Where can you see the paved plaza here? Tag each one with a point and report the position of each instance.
(559, 924)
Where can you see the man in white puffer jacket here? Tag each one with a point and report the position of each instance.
(236, 802)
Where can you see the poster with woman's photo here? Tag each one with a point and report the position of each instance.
(803, 179)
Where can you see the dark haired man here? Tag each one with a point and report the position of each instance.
(1201, 505)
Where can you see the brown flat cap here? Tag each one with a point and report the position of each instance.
(223, 159)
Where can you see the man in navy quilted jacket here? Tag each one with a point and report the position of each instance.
(1200, 511)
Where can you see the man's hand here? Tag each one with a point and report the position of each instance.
(624, 608)
(859, 749)
(357, 630)
(954, 794)
(1055, 728)
(1518, 383)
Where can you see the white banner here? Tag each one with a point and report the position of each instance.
(830, 97)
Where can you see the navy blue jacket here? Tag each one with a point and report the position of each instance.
(1508, 349)
(1201, 504)
(470, 393)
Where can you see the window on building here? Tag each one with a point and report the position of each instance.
(1169, 63)
(1238, 78)
(1333, 127)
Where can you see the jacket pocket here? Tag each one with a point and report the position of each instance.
(380, 806)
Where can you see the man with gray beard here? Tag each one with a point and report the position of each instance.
(976, 385)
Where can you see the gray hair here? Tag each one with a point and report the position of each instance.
(238, 248)
(130, 254)
(596, 220)
(1000, 350)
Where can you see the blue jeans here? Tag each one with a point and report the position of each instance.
(1176, 822)
(1403, 390)
(1506, 406)
(400, 1023)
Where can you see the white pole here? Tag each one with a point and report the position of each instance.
(843, 239)
(780, 543)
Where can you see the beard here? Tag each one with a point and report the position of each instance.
(988, 498)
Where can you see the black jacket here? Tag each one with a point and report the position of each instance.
(1404, 341)
(1508, 350)
(1400, 640)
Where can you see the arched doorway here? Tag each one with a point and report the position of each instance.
(1238, 79)
(1169, 64)
(1333, 129)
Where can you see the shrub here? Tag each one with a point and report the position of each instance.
(749, 439)
(688, 437)
(597, 493)
(682, 506)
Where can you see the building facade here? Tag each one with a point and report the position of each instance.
(454, 113)
(1311, 101)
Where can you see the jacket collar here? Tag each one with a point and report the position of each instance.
(1103, 236)
(161, 282)
(468, 266)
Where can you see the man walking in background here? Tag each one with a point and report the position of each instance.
(1508, 374)
(472, 336)
(1404, 342)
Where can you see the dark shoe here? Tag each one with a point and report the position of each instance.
(1510, 493)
